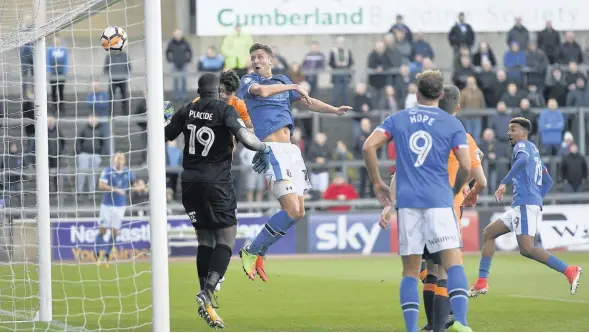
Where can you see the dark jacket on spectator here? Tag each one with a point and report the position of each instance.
(406, 50)
(461, 34)
(394, 57)
(378, 81)
(574, 168)
(424, 48)
(316, 151)
(179, 53)
(478, 57)
(570, 52)
(281, 65)
(461, 74)
(521, 35)
(557, 89)
(571, 78)
(56, 142)
(117, 66)
(537, 62)
(512, 101)
(549, 42)
(529, 115)
(403, 27)
(536, 99)
(499, 124)
(487, 82)
(91, 140)
(360, 100)
(501, 149)
(500, 89)
(141, 109)
(401, 86)
(12, 162)
(341, 59)
(577, 97)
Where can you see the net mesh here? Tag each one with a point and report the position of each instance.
(82, 90)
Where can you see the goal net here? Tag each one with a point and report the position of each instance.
(94, 110)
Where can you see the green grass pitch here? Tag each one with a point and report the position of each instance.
(338, 294)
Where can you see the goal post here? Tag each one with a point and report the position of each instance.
(49, 276)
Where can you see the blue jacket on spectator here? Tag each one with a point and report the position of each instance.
(57, 60)
(422, 47)
(550, 127)
(514, 62)
(207, 64)
(99, 102)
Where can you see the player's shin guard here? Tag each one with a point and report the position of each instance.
(457, 290)
(217, 266)
(203, 259)
(441, 307)
(410, 302)
(429, 290)
(275, 228)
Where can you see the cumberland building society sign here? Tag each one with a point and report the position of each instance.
(315, 17)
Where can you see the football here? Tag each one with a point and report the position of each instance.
(113, 38)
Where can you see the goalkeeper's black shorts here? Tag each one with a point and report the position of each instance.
(210, 206)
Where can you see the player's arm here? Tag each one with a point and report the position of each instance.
(521, 159)
(547, 181)
(377, 139)
(245, 136)
(463, 157)
(175, 123)
(268, 90)
(318, 106)
(104, 183)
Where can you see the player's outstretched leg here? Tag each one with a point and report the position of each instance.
(528, 250)
(491, 232)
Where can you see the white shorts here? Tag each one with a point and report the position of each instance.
(286, 163)
(522, 220)
(111, 216)
(436, 228)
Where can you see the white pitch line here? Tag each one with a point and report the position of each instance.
(551, 299)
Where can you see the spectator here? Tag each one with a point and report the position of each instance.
(313, 62)
(362, 105)
(462, 73)
(401, 26)
(340, 59)
(236, 50)
(411, 99)
(537, 64)
(255, 184)
(428, 64)
(141, 195)
(12, 165)
(484, 53)
(280, 66)
(55, 148)
(519, 34)
(319, 154)
(297, 139)
(573, 75)
(512, 97)
(502, 83)
(211, 61)
(390, 102)
(179, 54)
(514, 62)
(586, 52)
(141, 110)
(416, 66)
(551, 127)
(98, 101)
(422, 47)
(401, 86)
(565, 146)
(500, 122)
(403, 46)
(57, 69)
(26, 65)
(570, 51)
(536, 98)
(461, 34)
(526, 112)
(494, 150)
(488, 82)
(366, 130)
(393, 55)
(342, 154)
(378, 63)
(295, 74)
(174, 160)
(574, 170)
(578, 97)
(90, 144)
(557, 86)
(549, 42)
(462, 52)
(341, 191)
(118, 68)
(472, 98)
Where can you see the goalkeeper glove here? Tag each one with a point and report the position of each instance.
(261, 161)
(168, 110)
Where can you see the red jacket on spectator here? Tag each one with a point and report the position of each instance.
(392, 156)
(340, 190)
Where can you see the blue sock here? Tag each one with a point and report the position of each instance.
(556, 264)
(410, 302)
(98, 243)
(274, 229)
(485, 267)
(457, 290)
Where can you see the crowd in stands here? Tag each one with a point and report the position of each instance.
(540, 71)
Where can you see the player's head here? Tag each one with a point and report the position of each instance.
(261, 57)
(208, 84)
(119, 160)
(228, 84)
(450, 101)
(430, 87)
(519, 127)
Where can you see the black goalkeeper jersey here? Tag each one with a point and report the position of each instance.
(208, 127)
